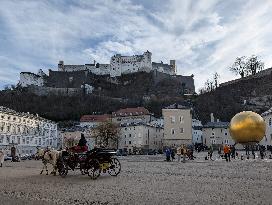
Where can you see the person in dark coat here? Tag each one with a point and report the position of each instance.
(82, 142)
(168, 154)
(172, 154)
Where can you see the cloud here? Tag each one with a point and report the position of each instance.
(203, 36)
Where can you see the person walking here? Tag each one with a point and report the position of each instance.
(167, 154)
(172, 154)
(233, 152)
(184, 152)
(179, 153)
(227, 153)
(210, 152)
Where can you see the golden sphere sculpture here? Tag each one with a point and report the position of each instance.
(247, 128)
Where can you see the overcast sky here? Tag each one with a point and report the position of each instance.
(204, 36)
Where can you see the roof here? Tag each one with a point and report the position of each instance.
(139, 124)
(216, 125)
(177, 106)
(267, 112)
(22, 114)
(95, 118)
(131, 112)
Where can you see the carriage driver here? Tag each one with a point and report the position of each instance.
(81, 146)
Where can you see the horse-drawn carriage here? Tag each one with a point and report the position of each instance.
(90, 163)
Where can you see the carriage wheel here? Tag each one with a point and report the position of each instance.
(115, 167)
(94, 169)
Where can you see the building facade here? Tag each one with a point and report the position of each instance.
(140, 137)
(70, 137)
(216, 133)
(267, 140)
(25, 132)
(132, 115)
(177, 125)
(197, 131)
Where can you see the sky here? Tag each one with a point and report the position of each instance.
(203, 36)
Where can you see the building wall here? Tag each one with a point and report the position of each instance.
(197, 131)
(131, 119)
(216, 136)
(27, 79)
(26, 132)
(177, 127)
(143, 137)
(71, 138)
(267, 140)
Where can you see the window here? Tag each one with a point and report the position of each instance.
(181, 130)
(173, 131)
(213, 134)
(181, 119)
(226, 133)
(8, 139)
(172, 119)
(270, 121)
(129, 135)
(129, 142)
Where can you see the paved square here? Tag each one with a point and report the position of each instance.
(143, 180)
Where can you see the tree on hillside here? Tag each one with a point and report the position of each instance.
(216, 77)
(106, 134)
(247, 66)
(254, 65)
(210, 85)
(239, 66)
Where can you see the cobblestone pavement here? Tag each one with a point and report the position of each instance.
(143, 180)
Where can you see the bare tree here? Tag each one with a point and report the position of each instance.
(106, 133)
(254, 65)
(216, 77)
(247, 66)
(239, 66)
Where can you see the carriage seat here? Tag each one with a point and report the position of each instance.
(79, 149)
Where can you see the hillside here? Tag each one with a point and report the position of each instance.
(64, 108)
(253, 94)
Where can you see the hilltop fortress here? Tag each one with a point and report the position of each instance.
(76, 77)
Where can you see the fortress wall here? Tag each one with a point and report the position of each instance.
(179, 79)
(27, 78)
(62, 79)
(45, 91)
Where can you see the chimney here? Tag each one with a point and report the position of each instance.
(212, 117)
(94, 62)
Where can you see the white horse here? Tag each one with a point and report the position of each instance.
(2, 157)
(49, 157)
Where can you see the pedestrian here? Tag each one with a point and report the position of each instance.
(233, 151)
(227, 153)
(2, 157)
(172, 154)
(261, 152)
(179, 153)
(168, 154)
(210, 152)
(184, 151)
(247, 151)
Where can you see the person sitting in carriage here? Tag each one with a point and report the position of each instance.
(81, 146)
